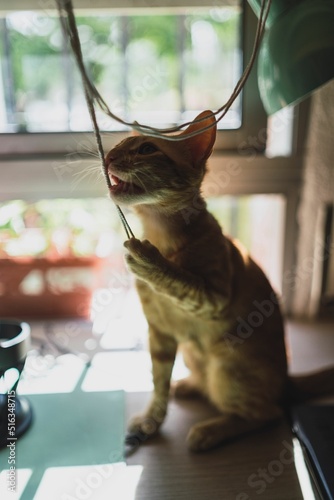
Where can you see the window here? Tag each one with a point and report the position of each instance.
(149, 68)
(258, 222)
(178, 58)
(198, 48)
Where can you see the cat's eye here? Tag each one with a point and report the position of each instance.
(147, 148)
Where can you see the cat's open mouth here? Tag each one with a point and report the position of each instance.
(120, 186)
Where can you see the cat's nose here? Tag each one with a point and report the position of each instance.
(110, 158)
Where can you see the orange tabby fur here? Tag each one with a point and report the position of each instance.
(196, 285)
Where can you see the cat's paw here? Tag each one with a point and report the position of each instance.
(143, 259)
(143, 427)
(139, 430)
(185, 389)
(201, 439)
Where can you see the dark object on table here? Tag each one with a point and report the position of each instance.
(15, 411)
(314, 428)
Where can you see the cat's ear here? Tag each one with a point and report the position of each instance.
(201, 145)
(135, 133)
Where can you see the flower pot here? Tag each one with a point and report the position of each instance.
(47, 288)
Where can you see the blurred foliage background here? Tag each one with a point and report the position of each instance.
(151, 67)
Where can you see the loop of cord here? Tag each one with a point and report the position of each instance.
(69, 27)
(66, 7)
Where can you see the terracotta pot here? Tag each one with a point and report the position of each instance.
(47, 288)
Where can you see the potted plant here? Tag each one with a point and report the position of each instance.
(50, 260)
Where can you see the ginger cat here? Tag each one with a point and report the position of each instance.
(199, 291)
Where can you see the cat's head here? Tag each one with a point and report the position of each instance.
(156, 171)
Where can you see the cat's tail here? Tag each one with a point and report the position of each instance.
(313, 385)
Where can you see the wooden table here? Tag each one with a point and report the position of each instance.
(258, 466)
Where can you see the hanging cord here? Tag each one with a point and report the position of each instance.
(71, 31)
(69, 27)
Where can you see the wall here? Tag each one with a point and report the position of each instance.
(317, 189)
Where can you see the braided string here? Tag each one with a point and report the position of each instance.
(69, 28)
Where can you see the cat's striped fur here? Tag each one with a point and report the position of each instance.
(196, 285)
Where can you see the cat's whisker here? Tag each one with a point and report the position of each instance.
(139, 181)
(88, 169)
(70, 168)
(143, 173)
(77, 182)
(92, 171)
(92, 154)
(90, 149)
(80, 156)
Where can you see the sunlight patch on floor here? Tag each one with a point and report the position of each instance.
(22, 477)
(128, 371)
(96, 482)
(51, 375)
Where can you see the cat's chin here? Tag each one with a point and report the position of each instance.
(127, 198)
(132, 199)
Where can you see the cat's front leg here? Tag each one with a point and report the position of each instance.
(163, 350)
(190, 292)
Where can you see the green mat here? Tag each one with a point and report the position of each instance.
(72, 429)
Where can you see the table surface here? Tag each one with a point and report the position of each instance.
(259, 465)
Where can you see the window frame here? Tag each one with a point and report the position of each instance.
(227, 140)
(32, 166)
